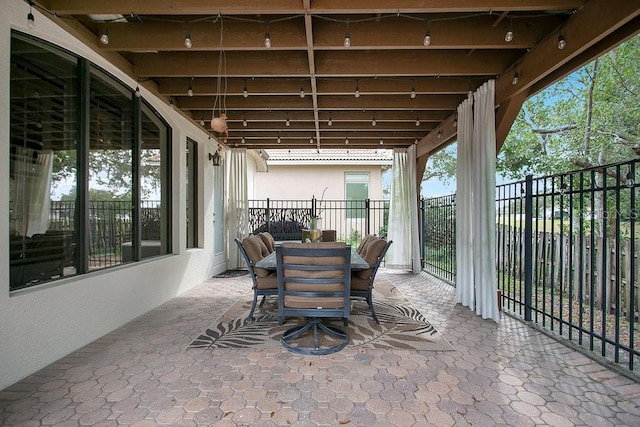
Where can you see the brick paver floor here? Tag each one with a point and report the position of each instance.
(499, 374)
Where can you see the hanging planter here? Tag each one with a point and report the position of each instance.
(219, 124)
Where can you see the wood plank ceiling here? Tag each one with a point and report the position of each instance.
(309, 90)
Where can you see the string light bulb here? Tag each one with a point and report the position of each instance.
(202, 122)
(357, 92)
(242, 139)
(508, 36)
(31, 22)
(190, 89)
(311, 140)
(373, 122)
(104, 38)
(347, 37)
(138, 94)
(330, 122)
(417, 121)
(279, 140)
(267, 40)
(562, 43)
(381, 141)
(187, 40)
(245, 91)
(515, 79)
(427, 38)
(244, 121)
(301, 91)
(413, 91)
(287, 123)
(346, 140)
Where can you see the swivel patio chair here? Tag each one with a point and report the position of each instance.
(314, 283)
(362, 281)
(265, 282)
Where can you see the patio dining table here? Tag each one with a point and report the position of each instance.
(357, 262)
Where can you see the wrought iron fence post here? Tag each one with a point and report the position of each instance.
(367, 224)
(528, 247)
(267, 216)
(422, 230)
(313, 206)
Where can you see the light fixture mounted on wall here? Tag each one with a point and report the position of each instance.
(215, 158)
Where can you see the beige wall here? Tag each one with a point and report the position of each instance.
(301, 182)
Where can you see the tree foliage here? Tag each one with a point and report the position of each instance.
(589, 118)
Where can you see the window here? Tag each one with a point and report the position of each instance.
(356, 193)
(192, 193)
(89, 168)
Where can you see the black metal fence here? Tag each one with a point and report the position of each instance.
(566, 255)
(351, 219)
(439, 236)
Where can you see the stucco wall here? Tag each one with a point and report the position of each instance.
(301, 182)
(42, 324)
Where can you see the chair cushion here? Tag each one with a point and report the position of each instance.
(372, 251)
(263, 247)
(253, 247)
(365, 241)
(359, 283)
(270, 281)
(268, 241)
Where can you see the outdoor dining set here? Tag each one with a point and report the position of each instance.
(312, 281)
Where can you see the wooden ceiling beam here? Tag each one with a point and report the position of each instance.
(177, 86)
(205, 36)
(402, 33)
(413, 63)
(213, 7)
(334, 103)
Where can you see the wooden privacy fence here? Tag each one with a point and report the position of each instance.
(591, 270)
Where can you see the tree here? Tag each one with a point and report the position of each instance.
(589, 118)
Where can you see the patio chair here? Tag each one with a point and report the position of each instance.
(265, 282)
(314, 283)
(362, 281)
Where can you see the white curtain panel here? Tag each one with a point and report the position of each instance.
(32, 171)
(465, 292)
(484, 209)
(402, 228)
(237, 205)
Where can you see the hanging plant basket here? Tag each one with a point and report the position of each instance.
(219, 124)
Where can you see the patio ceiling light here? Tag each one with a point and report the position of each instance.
(104, 38)
(561, 42)
(347, 37)
(427, 38)
(30, 19)
(508, 37)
